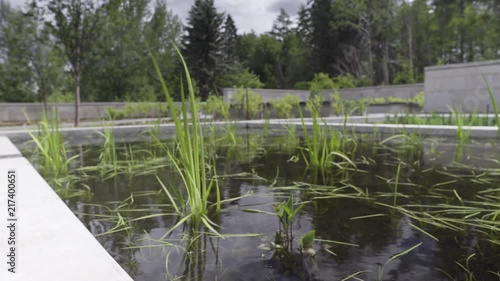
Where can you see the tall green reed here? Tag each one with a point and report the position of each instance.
(319, 151)
(50, 147)
(108, 156)
(494, 103)
(189, 156)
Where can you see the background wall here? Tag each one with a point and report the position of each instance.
(400, 91)
(462, 86)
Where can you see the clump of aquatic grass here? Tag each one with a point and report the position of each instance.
(462, 136)
(50, 147)
(319, 152)
(189, 157)
(108, 156)
(495, 105)
(396, 185)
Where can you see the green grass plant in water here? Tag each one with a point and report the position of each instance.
(189, 157)
(319, 152)
(50, 148)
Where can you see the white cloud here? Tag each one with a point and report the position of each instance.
(257, 15)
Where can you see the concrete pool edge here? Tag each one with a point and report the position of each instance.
(141, 131)
(52, 243)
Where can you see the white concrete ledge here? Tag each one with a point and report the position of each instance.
(7, 149)
(132, 133)
(53, 245)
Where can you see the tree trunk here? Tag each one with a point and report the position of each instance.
(385, 63)
(45, 104)
(76, 75)
(370, 54)
(77, 99)
(77, 86)
(410, 51)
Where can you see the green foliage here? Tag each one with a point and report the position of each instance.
(204, 40)
(216, 106)
(302, 85)
(284, 106)
(320, 153)
(244, 79)
(306, 242)
(114, 113)
(17, 37)
(314, 104)
(345, 81)
(495, 105)
(123, 72)
(247, 101)
(189, 158)
(286, 212)
(321, 81)
(50, 148)
(59, 97)
(345, 43)
(137, 110)
(338, 105)
(260, 55)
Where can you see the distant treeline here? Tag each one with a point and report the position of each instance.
(57, 50)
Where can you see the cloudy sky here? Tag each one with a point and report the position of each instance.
(257, 15)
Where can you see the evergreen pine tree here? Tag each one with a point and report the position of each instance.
(281, 26)
(203, 46)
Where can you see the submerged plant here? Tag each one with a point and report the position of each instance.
(381, 268)
(189, 157)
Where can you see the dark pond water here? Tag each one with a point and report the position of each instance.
(371, 241)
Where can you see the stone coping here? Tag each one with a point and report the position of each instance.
(51, 242)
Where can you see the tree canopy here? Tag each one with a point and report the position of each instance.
(100, 50)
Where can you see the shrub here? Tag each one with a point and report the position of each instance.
(144, 108)
(284, 106)
(216, 106)
(321, 81)
(131, 109)
(114, 113)
(338, 105)
(247, 101)
(244, 79)
(314, 104)
(345, 81)
(59, 97)
(302, 85)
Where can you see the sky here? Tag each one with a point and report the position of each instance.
(257, 15)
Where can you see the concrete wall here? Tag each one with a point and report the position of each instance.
(21, 112)
(461, 86)
(399, 91)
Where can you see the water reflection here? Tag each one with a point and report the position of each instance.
(142, 253)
